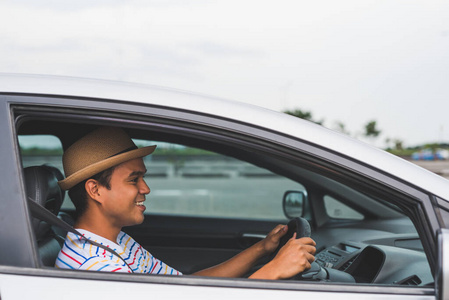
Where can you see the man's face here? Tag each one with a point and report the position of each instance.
(123, 203)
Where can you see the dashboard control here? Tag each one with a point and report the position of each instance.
(335, 256)
(327, 259)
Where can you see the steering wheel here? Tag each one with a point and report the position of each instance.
(302, 228)
(299, 225)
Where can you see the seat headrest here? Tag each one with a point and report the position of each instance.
(41, 183)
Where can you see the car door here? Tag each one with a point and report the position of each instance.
(261, 147)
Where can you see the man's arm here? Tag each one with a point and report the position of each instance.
(295, 256)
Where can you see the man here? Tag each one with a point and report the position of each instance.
(104, 175)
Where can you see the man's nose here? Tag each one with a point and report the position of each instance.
(144, 188)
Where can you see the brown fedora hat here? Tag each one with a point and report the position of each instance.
(99, 150)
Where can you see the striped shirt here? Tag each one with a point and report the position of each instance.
(79, 254)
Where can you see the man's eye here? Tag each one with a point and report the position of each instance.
(135, 179)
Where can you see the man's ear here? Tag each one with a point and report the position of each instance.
(92, 189)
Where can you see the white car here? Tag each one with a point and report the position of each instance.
(223, 175)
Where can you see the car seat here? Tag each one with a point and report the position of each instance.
(41, 183)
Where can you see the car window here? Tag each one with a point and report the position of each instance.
(189, 181)
(338, 210)
(43, 149)
(193, 182)
(40, 149)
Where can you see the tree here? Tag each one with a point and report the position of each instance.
(306, 115)
(371, 131)
(398, 144)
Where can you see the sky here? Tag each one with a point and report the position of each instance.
(349, 61)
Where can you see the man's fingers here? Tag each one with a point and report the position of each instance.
(307, 266)
(304, 240)
(308, 247)
(280, 230)
(310, 257)
(307, 241)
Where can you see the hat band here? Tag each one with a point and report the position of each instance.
(126, 150)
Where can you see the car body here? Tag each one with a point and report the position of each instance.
(219, 181)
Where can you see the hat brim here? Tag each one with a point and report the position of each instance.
(100, 166)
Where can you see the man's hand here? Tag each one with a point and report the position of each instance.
(271, 241)
(295, 257)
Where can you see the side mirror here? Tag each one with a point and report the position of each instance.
(293, 204)
(442, 273)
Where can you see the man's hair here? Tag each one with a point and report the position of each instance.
(78, 193)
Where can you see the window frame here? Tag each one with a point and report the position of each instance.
(136, 115)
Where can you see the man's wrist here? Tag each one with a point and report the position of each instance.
(262, 249)
(268, 271)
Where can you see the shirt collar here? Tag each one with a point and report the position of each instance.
(99, 239)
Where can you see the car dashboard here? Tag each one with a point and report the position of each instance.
(372, 256)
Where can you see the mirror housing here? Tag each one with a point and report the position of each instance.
(293, 203)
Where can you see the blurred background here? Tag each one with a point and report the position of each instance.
(375, 70)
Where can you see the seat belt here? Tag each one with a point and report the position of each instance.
(43, 214)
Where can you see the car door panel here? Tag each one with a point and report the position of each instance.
(192, 243)
(117, 286)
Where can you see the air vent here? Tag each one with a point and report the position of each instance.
(347, 264)
(411, 281)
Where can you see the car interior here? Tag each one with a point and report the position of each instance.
(213, 195)
(41, 184)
